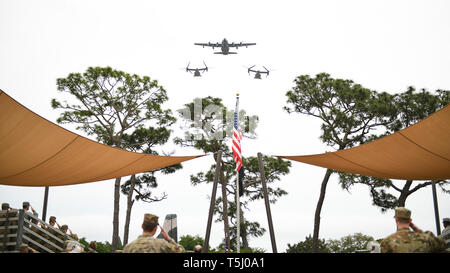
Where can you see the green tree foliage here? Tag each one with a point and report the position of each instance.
(411, 107)
(85, 243)
(189, 242)
(221, 249)
(274, 168)
(349, 244)
(349, 114)
(104, 247)
(349, 111)
(306, 246)
(209, 125)
(109, 105)
(144, 140)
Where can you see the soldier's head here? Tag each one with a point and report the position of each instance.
(64, 228)
(75, 237)
(93, 245)
(150, 223)
(26, 205)
(5, 206)
(402, 215)
(446, 222)
(197, 248)
(23, 248)
(52, 220)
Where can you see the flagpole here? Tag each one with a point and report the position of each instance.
(238, 204)
(238, 212)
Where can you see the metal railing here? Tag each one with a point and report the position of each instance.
(19, 226)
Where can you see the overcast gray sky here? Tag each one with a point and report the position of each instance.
(382, 45)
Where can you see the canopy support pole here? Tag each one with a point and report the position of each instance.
(44, 209)
(266, 200)
(436, 209)
(213, 201)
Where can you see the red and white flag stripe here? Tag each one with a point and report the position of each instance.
(237, 137)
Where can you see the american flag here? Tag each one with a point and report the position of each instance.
(237, 136)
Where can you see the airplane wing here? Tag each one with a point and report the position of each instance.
(241, 44)
(170, 226)
(209, 44)
(247, 44)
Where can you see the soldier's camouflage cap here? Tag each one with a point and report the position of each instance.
(52, 218)
(150, 219)
(446, 220)
(25, 203)
(402, 213)
(5, 206)
(23, 246)
(64, 227)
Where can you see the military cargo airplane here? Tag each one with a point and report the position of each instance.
(225, 46)
(258, 73)
(196, 70)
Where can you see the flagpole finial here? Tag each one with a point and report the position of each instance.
(237, 94)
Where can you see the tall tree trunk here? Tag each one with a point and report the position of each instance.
(225, 209)
(315, 242)
(115, 237)
(404, 193)
(130, 203)
(243, 232)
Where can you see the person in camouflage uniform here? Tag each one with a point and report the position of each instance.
(8, 226)
(26, 207)
(53, 231)
(407, 241)
(25, 248)
(145, 243)
(51, 228)
(446, 233)
(3, 230)
(63, 236)
(35, 228)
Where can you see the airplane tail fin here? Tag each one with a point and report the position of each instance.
(170, 226)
